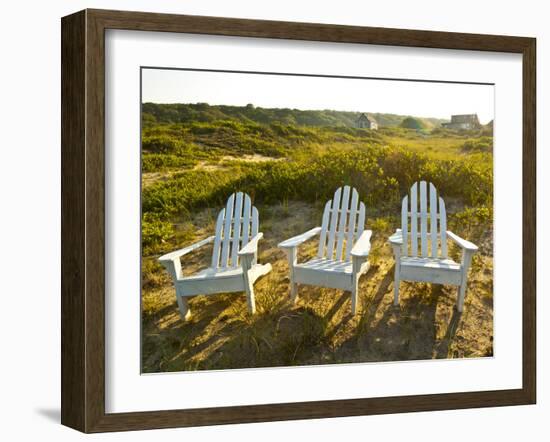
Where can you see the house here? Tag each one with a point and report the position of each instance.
(463, 122)
(366, 122)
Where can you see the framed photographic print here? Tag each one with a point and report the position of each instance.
(269, 220)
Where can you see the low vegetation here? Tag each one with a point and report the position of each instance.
(291, 162)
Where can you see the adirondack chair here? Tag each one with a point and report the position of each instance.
(234, 265)
(343, 251)
(429, 262)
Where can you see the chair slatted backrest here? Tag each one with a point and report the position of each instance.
(432, 231)
(237, 224)
(343, 223)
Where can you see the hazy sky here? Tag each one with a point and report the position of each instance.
(439, 100)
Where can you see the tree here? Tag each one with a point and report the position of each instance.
(412, 123)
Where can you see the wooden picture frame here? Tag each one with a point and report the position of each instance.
(83, 220)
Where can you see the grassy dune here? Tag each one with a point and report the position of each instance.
(319, 328)
(290, 171)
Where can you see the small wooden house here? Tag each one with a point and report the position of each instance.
(463, 122)
(365, 121)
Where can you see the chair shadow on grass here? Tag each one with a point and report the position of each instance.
(443, 347)
(368, 307)
(288, 335)
(371, 304)
(285, 335)
(404, 332)
(177, 336)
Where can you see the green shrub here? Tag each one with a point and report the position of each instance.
(382, 175)
(412, 123)
(315, 160)
(482, 144)
(160, 162)
(154, 231)
(187, 190)
(161, 144)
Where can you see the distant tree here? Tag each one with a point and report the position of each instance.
(148, 118)
(203, 112)
(412, 123)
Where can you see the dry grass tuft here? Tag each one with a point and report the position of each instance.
(319, 328)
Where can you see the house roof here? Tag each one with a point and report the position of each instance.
(464, 118)
(366, 117)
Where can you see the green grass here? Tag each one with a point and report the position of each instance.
(319, 328)
(195, 156)
(382, 174)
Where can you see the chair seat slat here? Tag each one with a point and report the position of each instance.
(433, 220)
(443, 227)
(343, 222)
(423, 219)
(351, 226)
(414, 221)
(333, 223)
(216, 251)
(227, 231)
(236, 230)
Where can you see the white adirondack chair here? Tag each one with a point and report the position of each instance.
(343, 251)
(234, 265)
(429, 262)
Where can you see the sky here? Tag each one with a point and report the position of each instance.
(420, 99)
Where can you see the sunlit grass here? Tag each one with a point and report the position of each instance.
(290, 171)
(319, 329)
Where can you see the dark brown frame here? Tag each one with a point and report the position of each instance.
(83, 215)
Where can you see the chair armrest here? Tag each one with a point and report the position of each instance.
(252, 246)
(171, 261)
(297, 240)
(179, 253)
(462, 243)
(361, 247)
(397, 238)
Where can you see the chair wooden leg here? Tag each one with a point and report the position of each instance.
(354, 295)
(246, 263)
(357, 269)
(396, 286)
(183, 306)
(292, 260)
(466, 261)
(461, 295)
(250, 300)
(293, 292)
